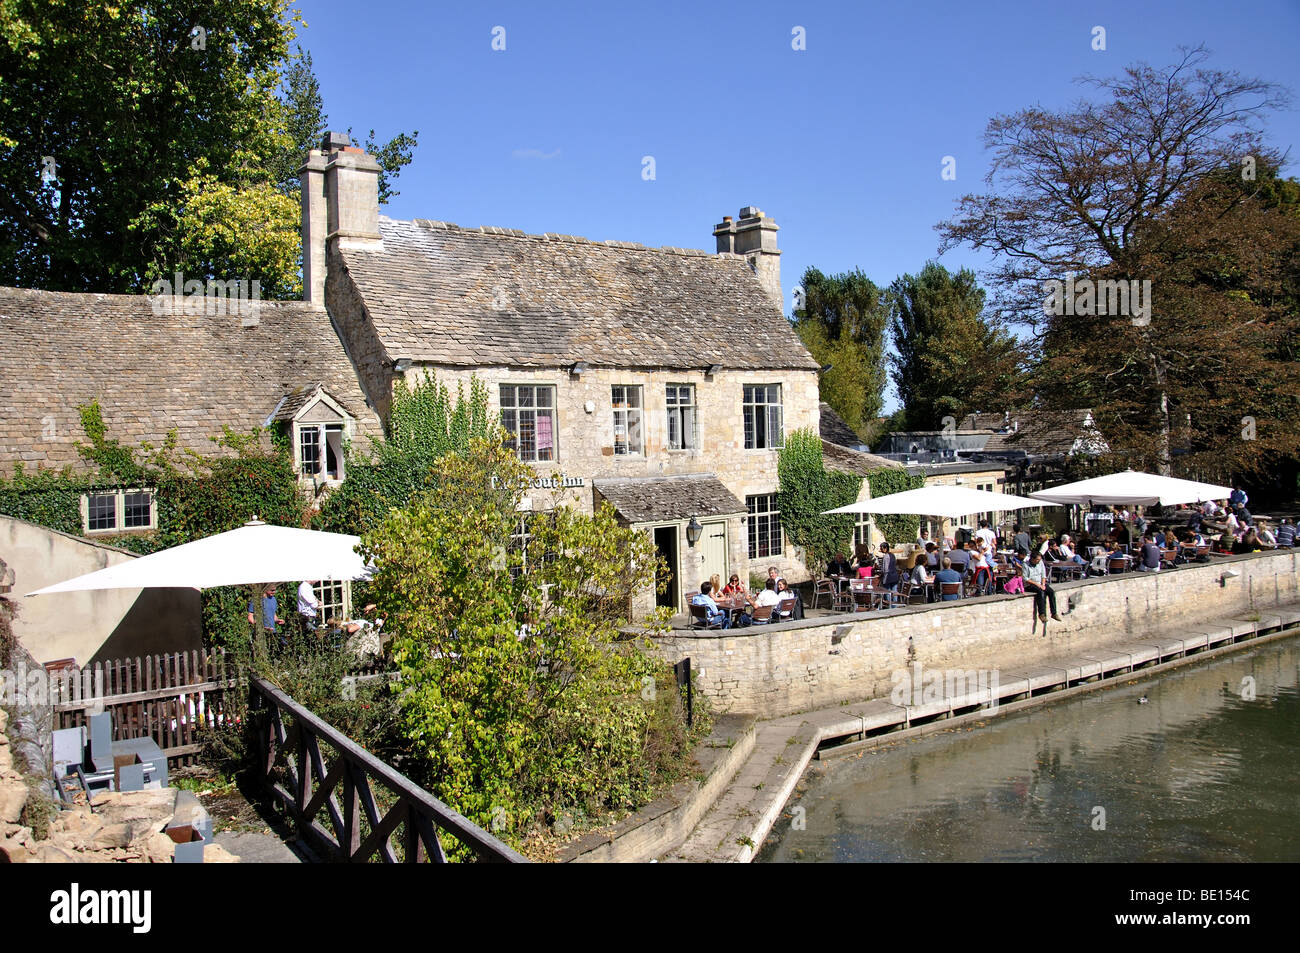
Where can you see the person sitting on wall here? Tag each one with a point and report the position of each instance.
(947, 574)
(712, 613)
(1035, 576)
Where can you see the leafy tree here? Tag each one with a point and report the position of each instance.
(520, 696)
(1115, 190)
(806, 489)
(842, 324)
(173, 139)
(948, 360)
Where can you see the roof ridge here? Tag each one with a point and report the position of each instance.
(504, 232)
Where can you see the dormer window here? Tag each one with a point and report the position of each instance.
(318, 426)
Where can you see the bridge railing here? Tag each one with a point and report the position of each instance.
(327, 783)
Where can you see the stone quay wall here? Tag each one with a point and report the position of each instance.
(817, 663)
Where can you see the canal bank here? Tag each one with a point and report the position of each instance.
(740, 820)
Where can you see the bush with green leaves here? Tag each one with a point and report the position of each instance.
(521, 696)
(806, 490)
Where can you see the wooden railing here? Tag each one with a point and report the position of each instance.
(307, 781)
(168, 698)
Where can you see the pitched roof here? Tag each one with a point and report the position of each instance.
(1046, 433)
(444, 294)
(835, 429)
(846, 460)
(152, 373)
(669, 498)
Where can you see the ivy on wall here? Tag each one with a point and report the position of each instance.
(806, 489)
(196, 496)
(900, 528)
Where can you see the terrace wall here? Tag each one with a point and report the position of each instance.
(822, 662)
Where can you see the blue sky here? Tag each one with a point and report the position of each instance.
(841, 143)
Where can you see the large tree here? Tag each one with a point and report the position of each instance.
(948, 359)
(143, 138)
(842, 323)
(1112, 190)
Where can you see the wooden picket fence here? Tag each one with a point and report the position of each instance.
(166, 697)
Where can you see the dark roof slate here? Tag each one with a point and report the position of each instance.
(669, 498)
(153, 373)
(442, 294)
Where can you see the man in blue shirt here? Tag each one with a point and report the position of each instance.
(713, 613)
(1286, 533)
(947, 574)
(270, 620)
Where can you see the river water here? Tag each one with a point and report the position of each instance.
(1201, 772)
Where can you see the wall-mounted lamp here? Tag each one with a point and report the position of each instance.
(826, 368)
(577, 370)
(1228, 574)
(402, 365)
(693, 531)
(713, 370)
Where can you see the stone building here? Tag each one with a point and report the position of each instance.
(658, 380)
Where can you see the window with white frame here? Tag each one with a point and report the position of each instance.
(764, 526)
(334, 598)
(521, 538)
(862, 531)
(528, 417)
(627, 420)
(320, 451)
(682, 433)
(762, 407)
(119, 511)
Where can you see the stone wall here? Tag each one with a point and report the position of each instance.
(585, 439)
(824, 662)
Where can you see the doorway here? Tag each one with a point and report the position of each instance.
(713, 547)
(667, 547)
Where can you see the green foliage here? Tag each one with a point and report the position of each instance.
(948, 360)
(425, 425)
(805, 490)
(897, 528)
(843, 324)
(172, 150)
(195, 497)
(521, 698)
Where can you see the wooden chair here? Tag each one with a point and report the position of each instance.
(824, 587)
(785, 608)
(700, 618)
(761, 615)
(1115, 565)
(950, 589)
(842, 601)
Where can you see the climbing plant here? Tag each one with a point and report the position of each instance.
(806, 489)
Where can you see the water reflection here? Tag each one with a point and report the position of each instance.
(1197, 774)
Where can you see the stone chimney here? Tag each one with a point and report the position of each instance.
(754, 236)
(340, 200)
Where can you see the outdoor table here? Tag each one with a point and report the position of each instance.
(1067, 568)
(872, 595)
(732, 606)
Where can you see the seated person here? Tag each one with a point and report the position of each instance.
(712, 613)
(1266, 538)
(839, 566)
(734, 588)
(768, 596)
(932, 556)
(1150, 556)
(1035, 577)
(365, 621)
(863, 560)
(958, 558)
(919, 574)
(947, 574)
(1068, 552)
(1286, 534)
(784, 592)
(1249, 543)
